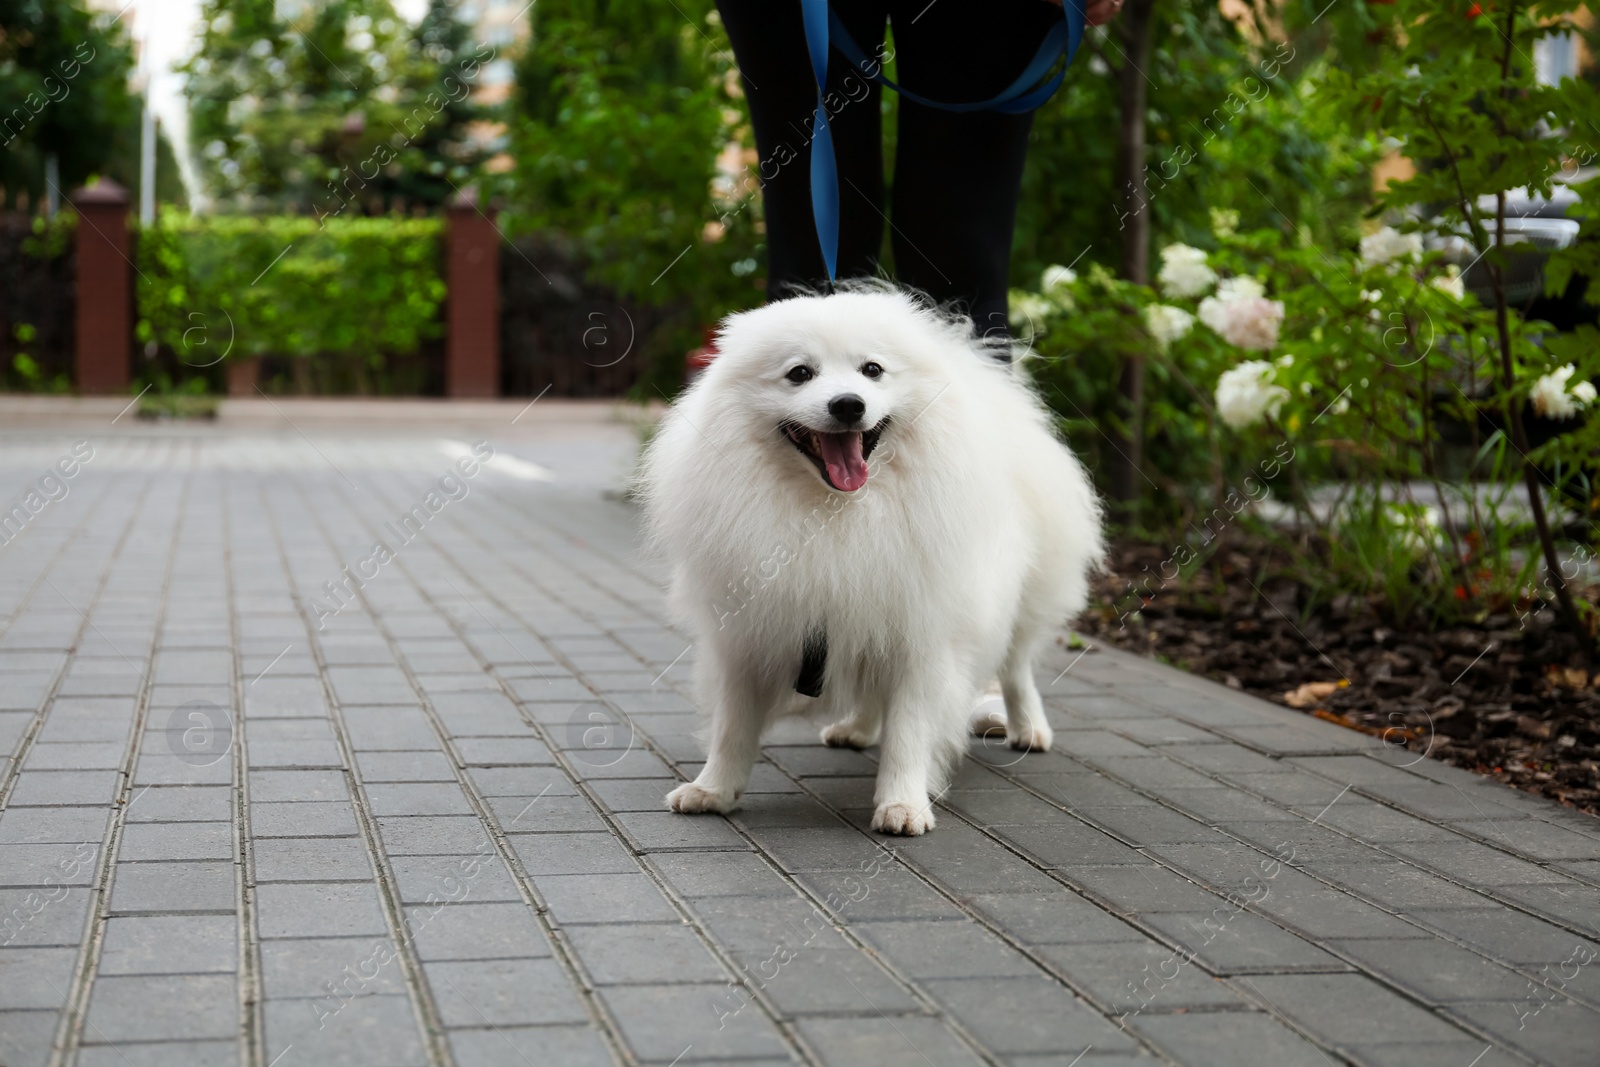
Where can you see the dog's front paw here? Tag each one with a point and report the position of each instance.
(847, 734)
(1032, 738)
(903, 819)
(691, 797)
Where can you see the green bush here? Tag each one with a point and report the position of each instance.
(230, 286)
(620, 115)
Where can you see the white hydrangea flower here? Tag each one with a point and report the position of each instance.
(1240, 287)
(1167, 323)
(1551, 399)
(1388, 245)
(1451, 283)
(1246, 394)
(1056, 275)
(1030, 309)
(1184, 272)
(1242, 314)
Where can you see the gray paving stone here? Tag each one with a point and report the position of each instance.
(417, 798)
(164, 1007)
(1349, 1008)
(53, 826)
(431, 835)
(286, 785)
(146, 888)
(327, 909)
(1058, 916)
(1226, 941)
(42, 917)
(521, 782)
(1435, 972)
(26, 1036)
(662, 831)
(1401, 887)
(1141, 888)
(1571, 903)
(884, 892)
(476, 931)
(577, 1046)
(1507, 935)
(547, 854)
(181, 803)
(50, 788)
(503, 752)
(604, 898)
(1229, 1039)
(311, 818)
(964, 860)
(1540, 840)
(160, 765)
(334, 969)
(844, 1042)
(1069, 843)
(430, 879)
(34, 977)
(1021, 1015)
(1315, 910)
(1141, 976)
(74, 755)
(636, 763)
(721, 874)
(1561, 1033)
(377, 1030)
(311, 859)
(636, 954)
(634, 794)
(274, 697)
(424, 766)
(837, 847)
(1476, 864)
(548, 814)
(945, 950)
(660, 1022)
(517, 992)
(170, 944)
(158, 1054)
(761, 923)
(177, 841)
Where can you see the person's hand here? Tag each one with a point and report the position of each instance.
(1098, 12)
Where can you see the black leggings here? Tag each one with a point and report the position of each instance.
(957, 176)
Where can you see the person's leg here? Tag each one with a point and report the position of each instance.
(957, 176)
(770, 47)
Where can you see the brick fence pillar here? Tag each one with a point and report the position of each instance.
(104, 350)
(472, 325)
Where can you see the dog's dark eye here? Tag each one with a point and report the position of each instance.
(800, 375)
(871, 370)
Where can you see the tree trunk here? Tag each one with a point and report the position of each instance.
(1132, 31)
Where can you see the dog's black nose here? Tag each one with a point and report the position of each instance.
(848, 408)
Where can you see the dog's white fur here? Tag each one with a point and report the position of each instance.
(969, 545)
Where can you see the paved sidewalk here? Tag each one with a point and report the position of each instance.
(254, 813)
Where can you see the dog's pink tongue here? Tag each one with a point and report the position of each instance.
(847, 467)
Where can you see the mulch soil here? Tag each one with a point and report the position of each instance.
(1511, 698)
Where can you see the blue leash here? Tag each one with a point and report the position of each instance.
(1022, 95)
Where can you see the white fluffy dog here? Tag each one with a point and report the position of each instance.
(894, 588)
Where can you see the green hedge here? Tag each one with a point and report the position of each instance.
(285, 286)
